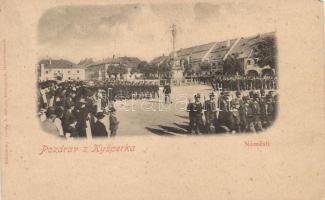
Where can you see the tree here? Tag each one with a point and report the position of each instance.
(232, 65)
(165, 69)
(117, 70)
(187, 67)
(265, 52)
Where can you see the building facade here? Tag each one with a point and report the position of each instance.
(59, 70)
(112, 68)
(208, 59)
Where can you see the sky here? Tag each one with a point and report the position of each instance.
(142, 30)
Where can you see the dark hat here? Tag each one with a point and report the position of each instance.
(268, 96)
(211, 94)
(256, 95)
(100, 115)
(50, 111)
(197, 95)
(59, 111)
(112, 109)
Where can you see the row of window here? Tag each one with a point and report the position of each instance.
(46, 72)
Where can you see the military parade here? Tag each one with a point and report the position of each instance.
(78, 108)
(230, 87)
(243, 113)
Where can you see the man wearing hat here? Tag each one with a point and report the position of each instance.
(224, 105)
(67, 115)
(70, 129)
(167, 91)
(81, 113)
(210, 112)
(244, 111)
(99, 127)
(263, 97)
(195, 111)
(256, 111)
(48, 125)
(237, 100)
(113, 122)
(267, 111)
(235, 122)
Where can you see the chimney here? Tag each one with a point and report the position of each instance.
(50, 60)
(113, 56)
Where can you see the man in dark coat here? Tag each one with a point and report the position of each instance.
(267, 110)
(67, 115)
(195, 112)
(167, 91)
(70, 129)
(113, 122)
(256, 111)
(210, 112)
(99, 127)
(81, 113)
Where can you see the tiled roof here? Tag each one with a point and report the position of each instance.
(127, 61)
(220, 50)
(61, 63)
(158, 59)
(196, 52)
(244, 47)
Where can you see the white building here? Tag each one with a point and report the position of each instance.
(60, 70)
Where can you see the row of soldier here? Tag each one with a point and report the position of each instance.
(122, 90)
(236, 82)
(117, 90)
(251, 113)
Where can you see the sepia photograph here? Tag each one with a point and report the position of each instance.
(105, 71)
(159, 100)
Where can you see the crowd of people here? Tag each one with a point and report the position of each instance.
(243, 82)
(79, 109)
(73, 110)
(244, 113)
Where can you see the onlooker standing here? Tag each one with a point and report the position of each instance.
(167, 91)
(113, 122)
(70, 129)
(48, 125)
(99, 127)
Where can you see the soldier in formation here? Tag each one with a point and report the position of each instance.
(243, 113)
(236, 82)
(195, 115)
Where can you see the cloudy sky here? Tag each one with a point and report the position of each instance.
(142, 30)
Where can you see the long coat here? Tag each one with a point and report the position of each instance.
(99, 130)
